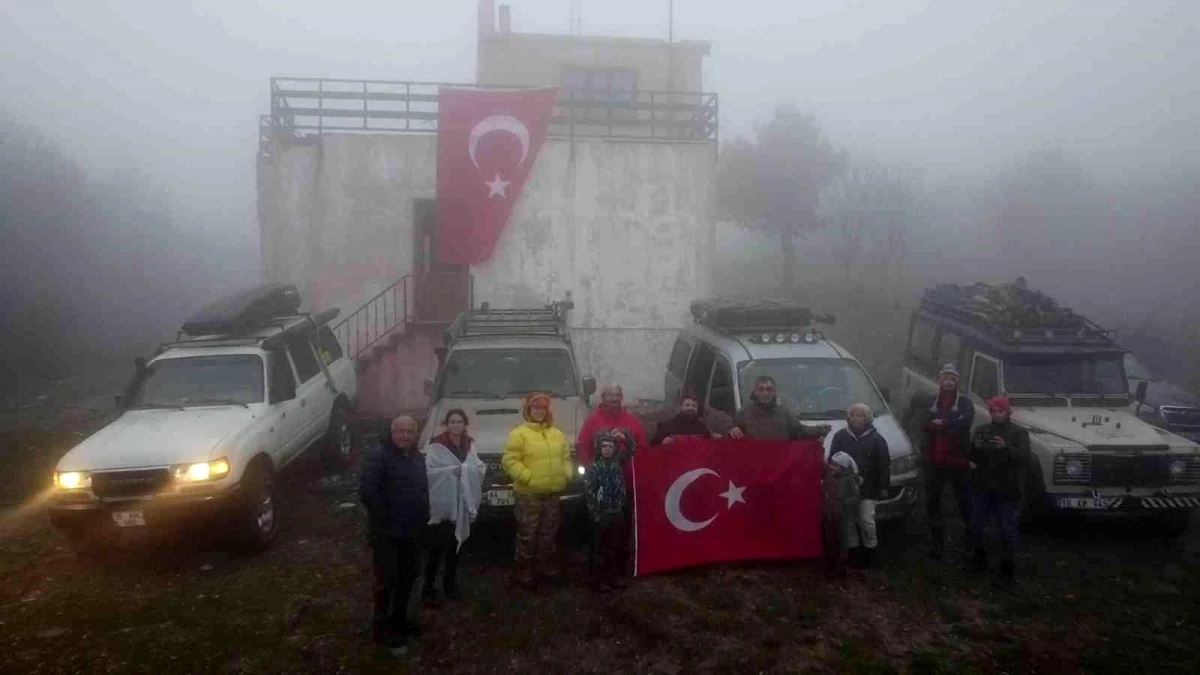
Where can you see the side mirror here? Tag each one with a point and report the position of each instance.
(1140, 396)
(428, 387)
(886, 393)
(589, 386)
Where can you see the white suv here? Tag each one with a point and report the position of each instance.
(205, 427)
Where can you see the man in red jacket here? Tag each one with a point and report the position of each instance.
(626, 430)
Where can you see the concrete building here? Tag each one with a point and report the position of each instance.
(617, 209)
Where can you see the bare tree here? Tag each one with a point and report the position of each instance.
(873, 206)
(773, 182)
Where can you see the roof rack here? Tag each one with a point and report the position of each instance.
(287, 324)
(1014, 314)
(730, 315)
(549, 321)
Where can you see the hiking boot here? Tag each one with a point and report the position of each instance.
(430, 596)
(1008, 574)
(867, 558)
(979, 563)
(451, 592)
(387, 637)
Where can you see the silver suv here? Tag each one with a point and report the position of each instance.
(731, 343)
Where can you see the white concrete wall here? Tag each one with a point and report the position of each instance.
(626, 227)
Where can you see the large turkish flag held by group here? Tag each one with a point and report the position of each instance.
(707, 501)
(487, 142)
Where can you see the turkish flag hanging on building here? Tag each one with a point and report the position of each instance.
(488, 140)
(699, 502)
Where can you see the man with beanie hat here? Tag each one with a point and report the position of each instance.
(998, 455)
(943, 430)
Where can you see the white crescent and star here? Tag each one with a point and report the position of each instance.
(498, 187)
(675, 493)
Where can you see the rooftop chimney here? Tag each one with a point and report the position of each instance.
(505, 19)
(487, 17)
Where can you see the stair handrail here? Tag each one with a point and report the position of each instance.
(363, 324)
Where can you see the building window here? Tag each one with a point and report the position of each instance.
(607, 85)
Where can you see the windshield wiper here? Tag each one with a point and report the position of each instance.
(828, 414)
(215, 401)
(156, 406)
(470, 392)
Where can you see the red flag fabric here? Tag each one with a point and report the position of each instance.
(487, 143)
(699, 502)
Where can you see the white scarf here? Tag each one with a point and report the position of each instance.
(450, 498)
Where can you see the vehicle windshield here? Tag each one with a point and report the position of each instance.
(1066, 375)
(814, 388)
(201, 380)
(508, 373)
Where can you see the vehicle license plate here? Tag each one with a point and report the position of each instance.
(500, 498)
(1085, 502)
(129, 518)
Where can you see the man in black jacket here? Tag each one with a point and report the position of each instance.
(395, 490)
(870, 451)
(998, 455)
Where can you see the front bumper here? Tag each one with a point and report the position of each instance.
(78, 511)
(1123, 505)
(903, 496)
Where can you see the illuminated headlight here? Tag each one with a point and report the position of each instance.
(905, 464)
(1074, 468)
(73, 480)
(201, 471)
(1178, 468)
(582, 470)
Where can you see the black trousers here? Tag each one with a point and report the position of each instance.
(442, 546)
(937, 479)
(397, 565)
(606, 549)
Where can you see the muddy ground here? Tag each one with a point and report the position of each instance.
(1091, 599)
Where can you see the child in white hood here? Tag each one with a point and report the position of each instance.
(839, 509)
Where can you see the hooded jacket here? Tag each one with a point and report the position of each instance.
(536, 456)
(605, 420)
(606, 488)
(394, 488)
(870, 453)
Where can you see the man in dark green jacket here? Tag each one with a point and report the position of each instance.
(998, 454)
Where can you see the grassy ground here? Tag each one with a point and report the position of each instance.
(1092, 599)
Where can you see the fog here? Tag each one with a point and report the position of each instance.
(164, 98)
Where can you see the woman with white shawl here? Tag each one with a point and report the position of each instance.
(455, 490)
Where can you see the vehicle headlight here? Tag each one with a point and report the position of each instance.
(73, 480)
(905, 464)
(1178, 468)
(582, 470)
(1074, 468)
(201, 471)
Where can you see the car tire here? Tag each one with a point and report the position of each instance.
(257, 516)
(340, 448)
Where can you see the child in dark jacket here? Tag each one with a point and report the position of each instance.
(606, 499)
(998, 452)
(839, 507)
(870, 452)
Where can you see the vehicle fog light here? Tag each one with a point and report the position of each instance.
(73, 480)
(582, 471)
(1074, 468)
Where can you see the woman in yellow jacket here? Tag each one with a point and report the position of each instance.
(538, 460)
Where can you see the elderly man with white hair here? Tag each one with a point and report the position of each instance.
(870, 452)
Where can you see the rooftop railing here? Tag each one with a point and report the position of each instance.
(311, 104)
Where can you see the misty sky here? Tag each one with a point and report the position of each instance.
(176, 87)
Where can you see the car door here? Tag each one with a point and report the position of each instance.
(676, 371)
(310, 384)
(986, 382)
(283, 419)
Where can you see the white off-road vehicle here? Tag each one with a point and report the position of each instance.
(492, 359)
(1066, 379)
(207, 424)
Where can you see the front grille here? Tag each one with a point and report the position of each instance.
(495, 471)
(1061, 477)
(1180, 416)
(129, 483)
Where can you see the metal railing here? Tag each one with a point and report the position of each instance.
(377, 318)
(378, 105)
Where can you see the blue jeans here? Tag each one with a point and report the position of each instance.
(1004, 508)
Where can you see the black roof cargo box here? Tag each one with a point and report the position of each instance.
(244, 310)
